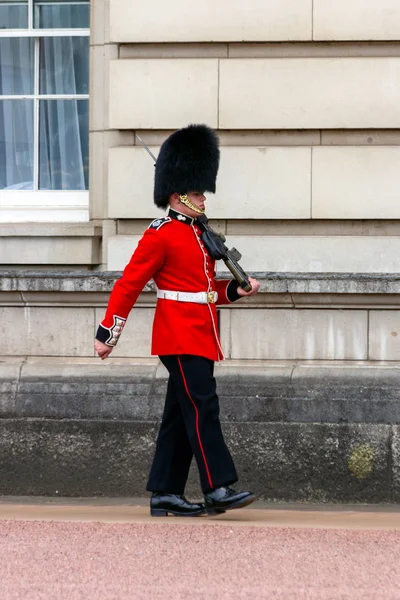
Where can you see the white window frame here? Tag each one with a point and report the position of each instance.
(21, 206)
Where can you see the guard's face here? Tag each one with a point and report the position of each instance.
(191, 204)
(198, 199)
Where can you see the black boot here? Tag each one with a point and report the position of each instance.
(225, 498)
(162, 504)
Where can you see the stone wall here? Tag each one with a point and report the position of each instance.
(304, 95)
(335, 317)
(297, 431)
(309, 390)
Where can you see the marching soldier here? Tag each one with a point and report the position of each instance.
(185, 333)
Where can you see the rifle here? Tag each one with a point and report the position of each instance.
(214, 242)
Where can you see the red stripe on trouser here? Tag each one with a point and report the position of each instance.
(197, 424)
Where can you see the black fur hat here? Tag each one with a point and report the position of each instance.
(188, 160)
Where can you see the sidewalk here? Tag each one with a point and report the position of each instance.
(112, 550)
(260, 514)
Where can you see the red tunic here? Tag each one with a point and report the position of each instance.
(172, 253)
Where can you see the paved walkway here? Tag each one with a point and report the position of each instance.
(112, 550)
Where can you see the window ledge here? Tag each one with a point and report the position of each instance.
(27, 206)
(278, 284)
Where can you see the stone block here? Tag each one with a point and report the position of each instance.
(135, 340)
(109, 229)
(86, 458)
(224, 322)
(163, 94)
(85, 371)
(50, 230)
(257, 138)
(395, 454)
(96, 283)
(252, 372)
(11, 299)
(208, 21)
(365, 137)
(98, 19)
(49, 250)
(299, 334)
(355, 183)
(131, 183)
(46, 331)
(316, 254)
(313, 462)
(136, 226)
(61, 299)
(168, 50)
(345, 49)
(100, 57)
(271, 183)
(384, 335)
(100, 142)
(101, 390)
(310, 400)
(9, 376)
(95, 286)
(333, 254)
(262, 391)
(120, 250)
(309, 93)
(356, 20)
(97, 68)
(278, 461)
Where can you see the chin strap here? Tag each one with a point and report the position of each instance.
(187, 202)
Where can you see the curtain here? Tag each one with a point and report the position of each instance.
(63, 124)
(16, 116)
(14, 16)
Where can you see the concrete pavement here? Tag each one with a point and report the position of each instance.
(112, 550)
(260, 514)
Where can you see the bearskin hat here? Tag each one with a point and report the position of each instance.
(188, 160)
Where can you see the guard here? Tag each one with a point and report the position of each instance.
(185, 333)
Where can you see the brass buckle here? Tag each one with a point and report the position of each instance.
(211, 298)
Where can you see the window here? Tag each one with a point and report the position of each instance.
(44, 110)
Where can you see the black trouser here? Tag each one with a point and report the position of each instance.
(190, 425)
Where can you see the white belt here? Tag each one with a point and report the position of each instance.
(197, 297)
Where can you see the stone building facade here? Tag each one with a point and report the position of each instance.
(305, 96)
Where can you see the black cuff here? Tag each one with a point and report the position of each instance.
(110, 336)
(103, 335)
(231, 291)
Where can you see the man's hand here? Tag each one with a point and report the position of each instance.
(255, 286)
(102, 349)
